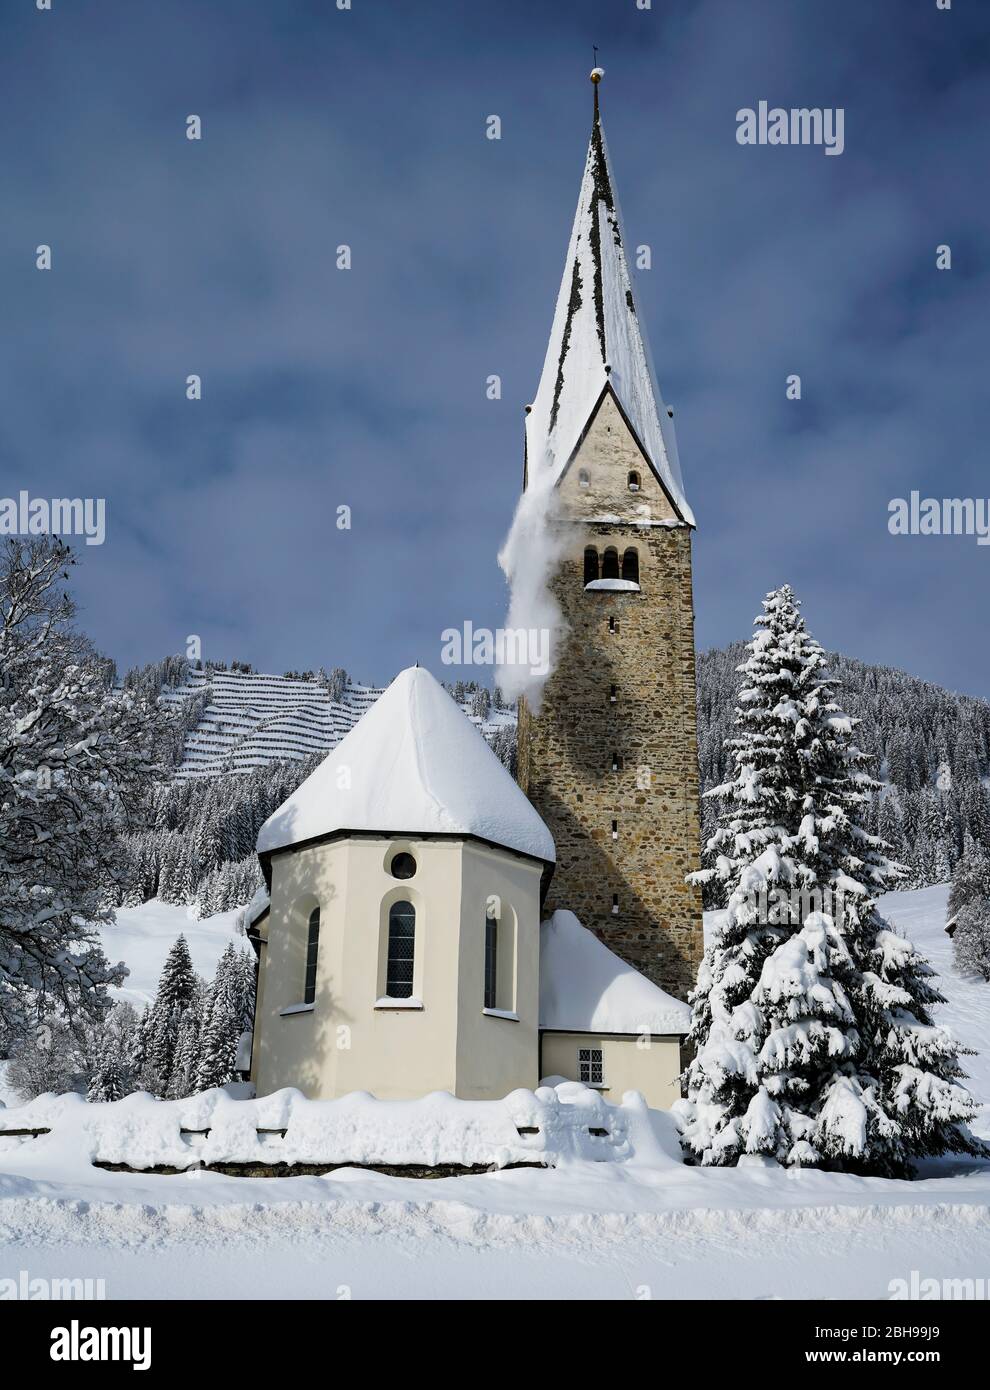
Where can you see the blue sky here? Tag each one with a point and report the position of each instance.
(367, 387)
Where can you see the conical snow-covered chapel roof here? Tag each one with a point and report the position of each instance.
(414, 764)
(597, 340)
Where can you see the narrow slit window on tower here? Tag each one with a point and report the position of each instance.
(615, 904)
(613, 694)
(610, 564)
(583, 479)
(615, 830)
(630, 565)
(634, 482)
(590, 564)
(613, 626)
(616, 762)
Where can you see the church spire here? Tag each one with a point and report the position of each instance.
(596, 342)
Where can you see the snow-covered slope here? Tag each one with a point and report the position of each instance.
(251, 719)
(141, 938)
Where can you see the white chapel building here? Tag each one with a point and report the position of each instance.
(400, 946)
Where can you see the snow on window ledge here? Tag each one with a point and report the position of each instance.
(388, 1003)
(613, 586)
(502, 1013)
(296, 1009)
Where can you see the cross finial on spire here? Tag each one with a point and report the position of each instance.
(597, 74)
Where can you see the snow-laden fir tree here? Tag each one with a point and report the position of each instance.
(111, 1054)
(176, 992)
(971, 878)
(182, 1081)
(106, 1082)
(811, 1017)
(222, 1024)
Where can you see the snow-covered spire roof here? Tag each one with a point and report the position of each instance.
(597, 340)
(414, 764)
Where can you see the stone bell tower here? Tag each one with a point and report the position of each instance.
(610, 761)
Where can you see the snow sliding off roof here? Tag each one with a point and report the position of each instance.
(412, 765)
(596, 326)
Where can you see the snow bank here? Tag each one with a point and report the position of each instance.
(412, 765)
(550, 1126)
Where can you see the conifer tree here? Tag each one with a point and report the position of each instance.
(106, 1082)
(176, 991)
(971, 878)
(222, 1026)
(971, 939)
(182, 1081)
(811, 1017)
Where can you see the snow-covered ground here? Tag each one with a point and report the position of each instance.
(605, 1230)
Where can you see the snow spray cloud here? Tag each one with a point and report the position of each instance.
(528, 558)
(24, 515)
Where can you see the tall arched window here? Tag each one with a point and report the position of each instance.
(491, 963)
(630, 565)
(610, 563)
(312, 955)
(590, 564)
(401, 950)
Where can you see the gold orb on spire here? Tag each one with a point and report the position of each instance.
(597, 74)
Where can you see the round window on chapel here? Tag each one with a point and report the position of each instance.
(402, 866)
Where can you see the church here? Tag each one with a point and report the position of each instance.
(431, 924)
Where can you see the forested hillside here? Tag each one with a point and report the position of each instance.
(932, 751)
